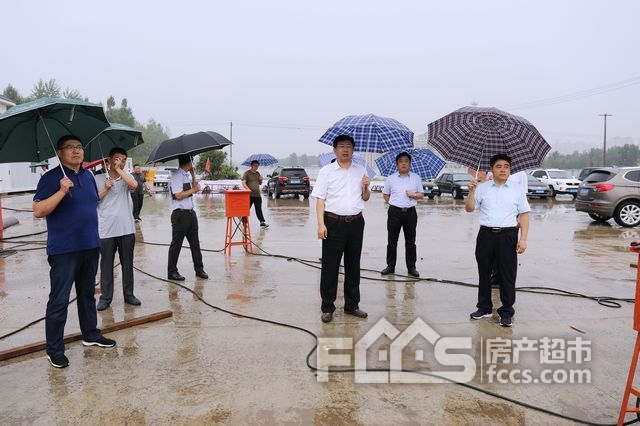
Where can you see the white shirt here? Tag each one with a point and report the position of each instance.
(500, 205)
(341, 189)
(115, 217)
(179, 181)
(396, 187)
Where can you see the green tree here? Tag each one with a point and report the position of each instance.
(122, 115)
(43, 89)
(13, 94)
(218, 168)
(152, 134)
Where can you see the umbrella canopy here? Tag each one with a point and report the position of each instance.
(327, 157)
(29, 131)
(472, 135)
(371, 133)
(116, 135)
(263, 159)
(190, 144)
(424, 163)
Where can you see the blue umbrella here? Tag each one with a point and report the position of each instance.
(424, 163)
(327, 157)
(263, 159)
(371, 133)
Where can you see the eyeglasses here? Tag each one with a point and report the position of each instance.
(73, 148)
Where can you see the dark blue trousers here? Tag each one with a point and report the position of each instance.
(79, 267)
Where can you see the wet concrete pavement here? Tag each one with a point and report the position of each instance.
(204, 366)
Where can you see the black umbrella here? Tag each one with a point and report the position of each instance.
(191, 144)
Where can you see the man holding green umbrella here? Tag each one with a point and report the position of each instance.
(67, 197)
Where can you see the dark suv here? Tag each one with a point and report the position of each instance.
(288, 180)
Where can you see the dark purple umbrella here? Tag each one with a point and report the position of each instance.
(472, 135)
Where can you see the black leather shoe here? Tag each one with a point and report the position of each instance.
(388, 270)
(132, 300)
(327, 316)
(175, 276)
(202, 274)
(357, 313)
(414, 272)
(102, 305)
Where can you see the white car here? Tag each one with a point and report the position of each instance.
(162, 178)
(558, 181)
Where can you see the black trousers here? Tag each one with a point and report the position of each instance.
(407, 220)
(497, 250)
(125, 245)
(257, 201)
(342, 238)
(184, 223)
(137, 199)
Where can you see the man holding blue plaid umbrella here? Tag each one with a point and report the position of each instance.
(401, 190)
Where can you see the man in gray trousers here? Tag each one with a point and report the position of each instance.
(116, 227)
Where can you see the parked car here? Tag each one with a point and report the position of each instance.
(559, 181)
(456, 184)
(535, 188)
(586, 171)
(430, 188)
(162, 178)
(288, 180)
(611, 192)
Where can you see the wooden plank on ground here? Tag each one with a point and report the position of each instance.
(34, 347)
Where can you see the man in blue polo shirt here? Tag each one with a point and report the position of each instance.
(68, 197)
(401, 190)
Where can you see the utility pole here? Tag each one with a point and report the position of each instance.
(604, 152)
(231, 146)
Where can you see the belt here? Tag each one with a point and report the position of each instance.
(183, 210)
(497, 229)
(348, 218)
(402, 209)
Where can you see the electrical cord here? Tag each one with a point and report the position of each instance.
(604, 301)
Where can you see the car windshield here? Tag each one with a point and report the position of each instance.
(559, 174)
(294, 173)
(533, 179)
(461, 177)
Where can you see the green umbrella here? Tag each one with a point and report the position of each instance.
(116, 135)
(29, 131)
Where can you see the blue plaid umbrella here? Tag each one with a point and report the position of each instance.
(371, 133)
(263, 159)
(472, 135)
(424, 163)
(327, 157)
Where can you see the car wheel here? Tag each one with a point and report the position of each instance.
(456, 194)
(306, 195)
(628, 214)
(553, 191)
(431, 197)
(598, 217)
(276, 193)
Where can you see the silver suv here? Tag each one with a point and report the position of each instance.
(611, 192)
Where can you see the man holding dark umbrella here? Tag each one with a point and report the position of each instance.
(184, 222)
(502, 205)
(68, 197)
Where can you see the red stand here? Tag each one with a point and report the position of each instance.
(237, 208)
(630, 389)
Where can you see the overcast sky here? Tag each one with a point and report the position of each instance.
(284, 71)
